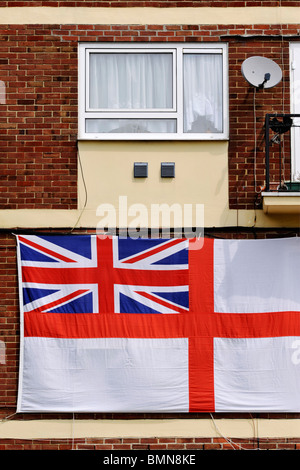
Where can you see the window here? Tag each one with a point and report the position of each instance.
(154, 92)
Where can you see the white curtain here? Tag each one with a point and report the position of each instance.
(203, 93)
(131, 81)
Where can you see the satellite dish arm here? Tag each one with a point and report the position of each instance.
(266, 79)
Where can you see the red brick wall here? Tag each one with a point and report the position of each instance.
(9, 325)
(248, 107)
(150, 444)
(38, 123)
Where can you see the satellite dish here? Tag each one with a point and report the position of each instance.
(261, 72)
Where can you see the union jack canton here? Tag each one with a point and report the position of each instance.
(73, 274)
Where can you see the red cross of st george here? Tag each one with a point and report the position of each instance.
(200, 324)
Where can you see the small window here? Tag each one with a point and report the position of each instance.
(156, 92)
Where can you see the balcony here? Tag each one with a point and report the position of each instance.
(281, 194)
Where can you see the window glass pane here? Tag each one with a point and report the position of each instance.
(203, 93)
(131, 81)
(136, 126)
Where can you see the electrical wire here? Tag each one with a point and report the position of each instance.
(85, 192)
(255, 136)
(231, 442)
(7, 418)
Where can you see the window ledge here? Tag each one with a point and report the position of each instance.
(154, 137)
(281, 202)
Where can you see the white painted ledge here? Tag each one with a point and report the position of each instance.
(281, 202)
(147, 428)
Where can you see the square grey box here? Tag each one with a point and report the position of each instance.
(140, 169)
(168, 170)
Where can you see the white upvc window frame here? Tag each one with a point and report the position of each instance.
(176, 112)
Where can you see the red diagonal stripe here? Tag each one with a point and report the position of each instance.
(60, 301)
(162, 302)
(45, 250)
(154, 251)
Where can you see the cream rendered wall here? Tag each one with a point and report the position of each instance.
(148, 15)
(251, 428)
(201, 179)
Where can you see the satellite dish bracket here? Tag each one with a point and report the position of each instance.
(266, 79)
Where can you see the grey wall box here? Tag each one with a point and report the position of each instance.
(168, 170)
(140, 170)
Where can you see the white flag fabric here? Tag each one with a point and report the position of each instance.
(253, 276)
(154, 325)
(260, 374)
(125, 375)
